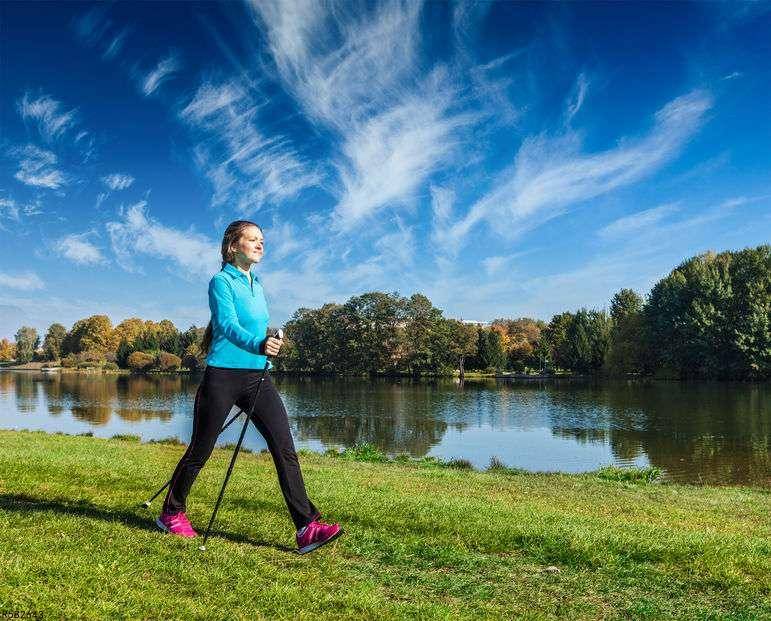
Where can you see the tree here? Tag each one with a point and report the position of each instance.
(371, 327)
(555, 335)
(625, 351)
(52, 344)
(27, 341)
(711, 316)
(521, 337)
(127, 330)
(425, 336)
(491, 351)
(7, 351)
(588, 336)
(463, 342)
(91, 334)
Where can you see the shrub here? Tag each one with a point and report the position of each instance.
(363, 452)
(140, 361)
(168, 362)
(92, 355)
(629, 475)
(459, 464)
(70, 361)
(89, 364)
(110, 366)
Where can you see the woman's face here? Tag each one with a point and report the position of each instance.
(250, 245)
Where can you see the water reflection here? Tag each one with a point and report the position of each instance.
(695, 432)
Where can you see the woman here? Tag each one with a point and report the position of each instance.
(236, 346)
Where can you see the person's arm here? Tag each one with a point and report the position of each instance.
(223, 315)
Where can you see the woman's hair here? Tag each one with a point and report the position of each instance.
(232, 235)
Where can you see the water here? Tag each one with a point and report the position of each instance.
(695, 432)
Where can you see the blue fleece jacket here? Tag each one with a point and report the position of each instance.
(239, 317)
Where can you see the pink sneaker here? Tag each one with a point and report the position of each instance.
(316, 534)
(176, 524)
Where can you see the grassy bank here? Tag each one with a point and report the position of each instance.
(422, 541)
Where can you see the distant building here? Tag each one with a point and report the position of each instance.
(472, 322)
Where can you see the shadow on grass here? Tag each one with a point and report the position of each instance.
(22, 503)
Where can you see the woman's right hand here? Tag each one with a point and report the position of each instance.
(272, 345)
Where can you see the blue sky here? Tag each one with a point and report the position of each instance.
(503, 159)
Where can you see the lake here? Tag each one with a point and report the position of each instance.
(696, 432)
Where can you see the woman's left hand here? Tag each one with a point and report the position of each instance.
(272, 345)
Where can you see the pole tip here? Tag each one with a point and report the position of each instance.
(146, 504)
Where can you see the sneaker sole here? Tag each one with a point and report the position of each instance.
(318, 544)
(165, 529)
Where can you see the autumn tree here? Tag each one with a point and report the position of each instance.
(52, 344)
(27, 341)
(7, 350)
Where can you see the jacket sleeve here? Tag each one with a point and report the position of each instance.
(223, 314)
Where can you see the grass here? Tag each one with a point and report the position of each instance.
(423, 540)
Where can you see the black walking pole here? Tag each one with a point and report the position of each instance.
(279, 334)
(146, 503)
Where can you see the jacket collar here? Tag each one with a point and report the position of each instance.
(234, 272)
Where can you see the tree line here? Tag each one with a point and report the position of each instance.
(93, 342)
(708, 318)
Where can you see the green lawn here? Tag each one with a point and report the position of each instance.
(422, 541)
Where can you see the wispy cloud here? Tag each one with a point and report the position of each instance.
(115, 45)
(391, 155)
(550, 175)
(77, 248)
(37, 167)
(25, 281)
(245, 167)
(357, 73)
(9, 209)
(49, 115)
(577, 99)
(118, 181)
(637, 221)
(190, 253)
(165, 68)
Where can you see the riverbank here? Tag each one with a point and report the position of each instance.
(422, 541)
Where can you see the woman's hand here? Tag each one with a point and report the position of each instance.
(272, 345)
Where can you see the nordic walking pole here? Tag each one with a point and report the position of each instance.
(279, 335)
(146, 503)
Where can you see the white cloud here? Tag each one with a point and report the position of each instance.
(115, 45)
(78, 249)
(550, 175)
(442, 200)
(391, 155)
(118, 181)
(52, 121)
(191, 253)
(9, 209)
(37, 168)
(357, 73)
(25, 281)
(246, 168)
(637, 222)
(282, 241)
(577, 99)
(163, 70)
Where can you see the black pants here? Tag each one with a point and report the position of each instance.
(220, 389)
